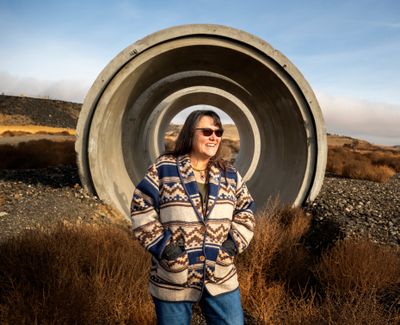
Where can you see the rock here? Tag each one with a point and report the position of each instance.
(360, 207)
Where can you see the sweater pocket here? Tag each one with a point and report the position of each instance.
(224, 267)
(174, 271)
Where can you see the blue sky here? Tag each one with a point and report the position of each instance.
(349, 51)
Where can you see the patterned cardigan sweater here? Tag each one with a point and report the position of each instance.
(166, 207)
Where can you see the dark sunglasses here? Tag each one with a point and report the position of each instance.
(207, 132)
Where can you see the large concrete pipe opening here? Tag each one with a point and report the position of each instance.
(130, 105)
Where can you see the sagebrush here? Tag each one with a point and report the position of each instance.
(87, 275)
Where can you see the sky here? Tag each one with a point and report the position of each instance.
(348, 51)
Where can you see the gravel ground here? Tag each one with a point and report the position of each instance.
(16, 110)
(345, 207)
(31, 198)
(358, 208)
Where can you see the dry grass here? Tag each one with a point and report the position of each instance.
(387, 158)
(361, 267)
(283, 283)
(374, 166)
(357, 277)
(359, 159)
(15, 130)
(276, 267)
(74, 275)
(85, 274)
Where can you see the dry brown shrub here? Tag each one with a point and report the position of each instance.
(74, 275)
(374, 166)
(359, 265)
(274, 262)
(365, 170)
(355, 308)
(93, 275)
(336, 160)
(355, 274)
(37, 154)
(281, 283)
(383, 173)
(388, 158)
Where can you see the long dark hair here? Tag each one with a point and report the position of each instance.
(184, 141)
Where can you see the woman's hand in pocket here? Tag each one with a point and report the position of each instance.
(229, 247)
(171, 252)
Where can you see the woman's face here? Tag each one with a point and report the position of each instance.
(205, 147)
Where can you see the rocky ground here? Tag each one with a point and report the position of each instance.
(16, 110)
(31, 198)
(360, 208)
(345, 207)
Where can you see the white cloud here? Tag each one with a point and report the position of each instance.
(181, 116)
(68, 90)
(372, 121)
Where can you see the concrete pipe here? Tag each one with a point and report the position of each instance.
(130, 105)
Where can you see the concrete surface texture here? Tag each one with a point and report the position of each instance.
(128, 108)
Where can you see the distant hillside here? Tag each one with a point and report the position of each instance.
(356, 144)
(343, 141)
(16, 110)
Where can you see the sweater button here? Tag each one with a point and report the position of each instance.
(202, 258)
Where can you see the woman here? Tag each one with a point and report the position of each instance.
(193, 213)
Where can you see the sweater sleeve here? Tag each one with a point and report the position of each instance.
(146, 224)
(243, 221)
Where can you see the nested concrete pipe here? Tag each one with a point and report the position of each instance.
(130, 105)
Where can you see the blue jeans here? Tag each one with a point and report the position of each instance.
(224, 309)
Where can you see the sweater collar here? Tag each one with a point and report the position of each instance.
(189, 183)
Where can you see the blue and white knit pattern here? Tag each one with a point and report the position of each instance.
(166, 207)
